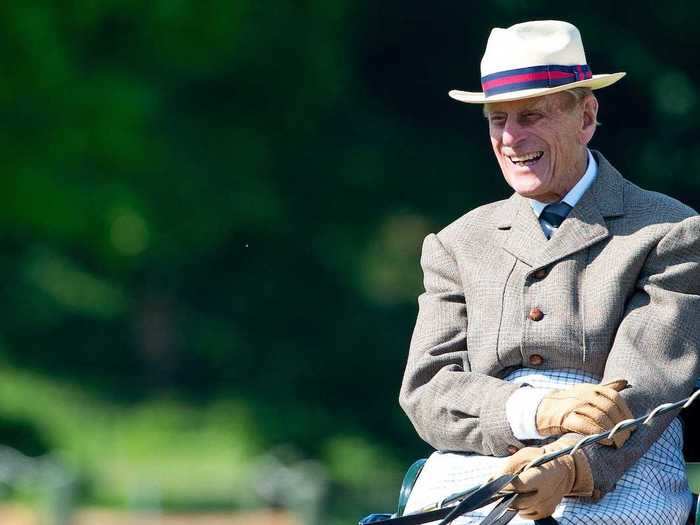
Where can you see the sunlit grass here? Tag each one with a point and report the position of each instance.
(158, 452)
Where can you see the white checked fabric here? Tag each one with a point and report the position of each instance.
(654, 491)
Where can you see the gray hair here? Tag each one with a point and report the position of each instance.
(578, 94)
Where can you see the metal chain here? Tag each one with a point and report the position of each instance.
(626, 424)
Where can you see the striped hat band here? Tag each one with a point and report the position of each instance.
(533, 77)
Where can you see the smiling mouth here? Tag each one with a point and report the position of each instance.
(526, 160)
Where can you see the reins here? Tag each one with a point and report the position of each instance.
(458, 504)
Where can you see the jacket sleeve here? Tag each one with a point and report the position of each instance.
(451, 407)
(657, 345)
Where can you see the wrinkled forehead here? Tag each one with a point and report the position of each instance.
(515, 106)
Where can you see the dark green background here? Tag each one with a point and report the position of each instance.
(223, 202)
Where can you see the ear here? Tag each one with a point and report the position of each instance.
(589, 119)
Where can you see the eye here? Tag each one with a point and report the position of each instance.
(497, 120)
(531, 116)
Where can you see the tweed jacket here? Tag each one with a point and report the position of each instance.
(618, 293)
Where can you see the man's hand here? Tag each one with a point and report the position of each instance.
(543, 487)
(585, 409)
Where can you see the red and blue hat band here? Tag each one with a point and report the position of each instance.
(533, 77)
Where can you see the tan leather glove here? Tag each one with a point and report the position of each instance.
(542, 488)
(585, 409)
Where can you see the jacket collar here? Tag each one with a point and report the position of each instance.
(584, 226)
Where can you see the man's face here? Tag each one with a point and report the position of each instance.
(540, 142)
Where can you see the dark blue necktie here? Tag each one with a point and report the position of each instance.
(552, 216)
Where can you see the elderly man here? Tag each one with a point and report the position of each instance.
(559, 311)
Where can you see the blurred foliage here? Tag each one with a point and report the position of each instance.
(185, 456)
(213, 212)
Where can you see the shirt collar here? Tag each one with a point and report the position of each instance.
(577, 191)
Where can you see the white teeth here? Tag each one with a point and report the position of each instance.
(525, 158)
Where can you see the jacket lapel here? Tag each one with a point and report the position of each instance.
(525, 238)
(584, 226)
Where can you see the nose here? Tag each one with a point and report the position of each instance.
(512, 133)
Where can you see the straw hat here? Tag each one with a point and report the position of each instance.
(533, 59)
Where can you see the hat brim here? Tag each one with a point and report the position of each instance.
(595, 82)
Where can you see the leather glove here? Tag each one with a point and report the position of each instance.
(584, 409)
(542, 488)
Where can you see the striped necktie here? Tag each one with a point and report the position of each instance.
(552, 216)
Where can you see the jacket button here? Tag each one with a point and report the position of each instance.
(540, 274)
(536, 314)
(512, 449)
(536, 359)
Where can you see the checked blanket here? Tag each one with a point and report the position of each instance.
(654, 491)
